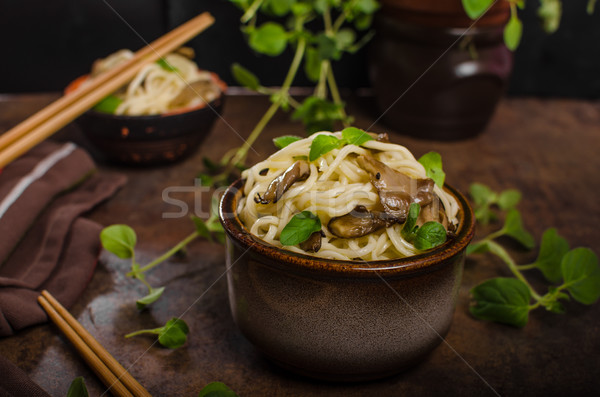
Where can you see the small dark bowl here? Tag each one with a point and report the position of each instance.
(341, 320)
(153, 139)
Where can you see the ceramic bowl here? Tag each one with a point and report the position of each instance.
(152, 139)
(341, 320)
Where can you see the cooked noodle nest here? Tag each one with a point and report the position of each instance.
(335, 186)
(155, 87)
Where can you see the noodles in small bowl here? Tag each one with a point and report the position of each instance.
(343, 308)
(161, 116)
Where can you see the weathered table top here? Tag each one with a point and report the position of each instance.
(548, 149)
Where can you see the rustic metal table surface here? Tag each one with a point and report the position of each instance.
(548, 149)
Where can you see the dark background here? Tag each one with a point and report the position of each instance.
(46, 44)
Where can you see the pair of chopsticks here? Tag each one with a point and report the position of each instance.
(44, 123)
(113, 375)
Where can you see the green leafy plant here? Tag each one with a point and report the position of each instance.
(77, 388)
(315, 46)
(122, 239)
(216, 389)
(299, 228)
(572, 273)
(428, 236)
(172, 335)
(549, 12)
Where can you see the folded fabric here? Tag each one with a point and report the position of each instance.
(15, 382)
(44, 241)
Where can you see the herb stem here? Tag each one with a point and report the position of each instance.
(242, 151)
(526, 267)
(501, 252)
(140, 332)
(321, 90)
(335, 95)
(170, 252)
(251, 11)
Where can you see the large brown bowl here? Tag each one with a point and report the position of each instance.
(341, 320)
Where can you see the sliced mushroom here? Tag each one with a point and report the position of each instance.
(298, 171)
(195, 93)
(313, 244)
(433, 212)
(397, 190)
(359, 222)
(383, 137)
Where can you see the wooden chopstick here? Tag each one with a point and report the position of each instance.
(21, 138)
(113, 375)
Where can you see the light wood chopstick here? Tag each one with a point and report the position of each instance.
(21, 138)
(113, 375)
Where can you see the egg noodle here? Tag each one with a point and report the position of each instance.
(335, 186)
(156, 86)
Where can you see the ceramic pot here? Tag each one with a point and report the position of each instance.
(150, 139)
(341, 320)
(434, 74)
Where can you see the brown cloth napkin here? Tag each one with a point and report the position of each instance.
(44, 241)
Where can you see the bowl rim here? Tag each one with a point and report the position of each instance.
(73, 85)
(289, 260)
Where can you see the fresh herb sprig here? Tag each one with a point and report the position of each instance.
(572, 273)
(549, 12)
(172, 335)
(314, 48)
(122, 239)
(323, 144)
(300, 228)
(428, 236)
(78, 388)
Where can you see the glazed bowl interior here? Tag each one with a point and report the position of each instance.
(341, 320)
(149, 139)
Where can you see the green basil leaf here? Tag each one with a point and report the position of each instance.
(502, 300)
(429, 235)
(154, 294)
(78, 388)
(201, 227)
(318, 114)
(366, 6)
(512, 32)
(299, 228)
(323, 144)
(432, 162)
(581, 274)
(509, 199)
(552, 250)
(591, 5)
(312, 64)
(481, 194)
(285, 140)
(119, 239)
(327, 48)
(480, 247)
(162, 62)
(108, 104)
(173, 334)
(216, 389)
(277, 7)
(269, 38)
(355, 136)
(344, 38)
(550, 12)
(513, 227)
(245, 77)
(205, 180)
(410, 225)
(475, 8)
